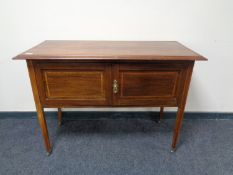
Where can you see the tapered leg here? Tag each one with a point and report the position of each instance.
(39, 107)
(43, 126)
(59, 116)
(161, 113)
(176, 132)
(181, 107)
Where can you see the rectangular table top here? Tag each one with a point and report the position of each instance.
(109, 50)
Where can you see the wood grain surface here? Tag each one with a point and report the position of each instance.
(110, 50)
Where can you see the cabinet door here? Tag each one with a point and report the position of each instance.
(68, 84)
(155, 84)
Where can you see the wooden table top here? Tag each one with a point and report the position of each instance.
(109, 50)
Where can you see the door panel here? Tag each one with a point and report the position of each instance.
(148, 84)
(71, 84)
(74, 84)
(145, 84)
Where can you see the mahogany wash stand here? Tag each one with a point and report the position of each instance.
(109, 74)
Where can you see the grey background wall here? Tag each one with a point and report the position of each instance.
(204, 26)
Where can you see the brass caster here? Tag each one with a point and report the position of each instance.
(173, 150)
(157, 121)
(48, 153)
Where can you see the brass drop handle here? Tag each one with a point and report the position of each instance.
(115, 86)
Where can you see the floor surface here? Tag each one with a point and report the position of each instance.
(116, 147)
